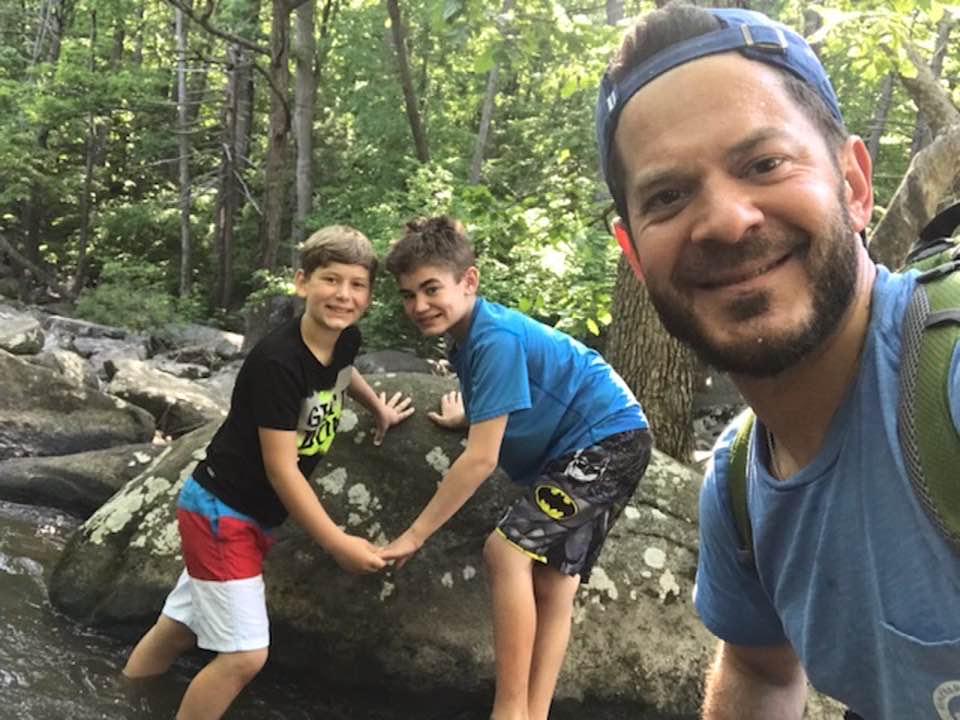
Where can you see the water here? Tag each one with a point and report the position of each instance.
(54, 669)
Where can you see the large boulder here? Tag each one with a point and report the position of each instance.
(20, 332)
(78, 483)
(637, 645)
(45, 413)
(178, 405)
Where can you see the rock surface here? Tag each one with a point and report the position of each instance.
(426, 625)
(178, 405)
(44, 413)
(20, 332)
(78, 483)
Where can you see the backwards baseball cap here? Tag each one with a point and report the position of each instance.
(750, 33)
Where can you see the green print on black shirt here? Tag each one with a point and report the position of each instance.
(322, 421)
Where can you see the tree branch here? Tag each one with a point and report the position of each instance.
(204, 22)
(932, 173)
(932, 99)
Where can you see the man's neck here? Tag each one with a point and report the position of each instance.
(797, 405)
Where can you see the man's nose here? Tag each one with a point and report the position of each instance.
(725, 211)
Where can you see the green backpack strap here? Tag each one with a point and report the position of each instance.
(928, 437)
(737, 486)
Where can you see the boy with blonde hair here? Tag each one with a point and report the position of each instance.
(284, 413)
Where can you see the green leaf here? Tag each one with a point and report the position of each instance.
(569, 87)
(452, 9)
(592, 326)
(483, 63)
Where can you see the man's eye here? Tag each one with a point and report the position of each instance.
(661, 200)
(765, 165)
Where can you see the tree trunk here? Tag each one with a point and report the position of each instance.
(660, 370)
(87, 202)
(932, 173)
(879, 122)
(399, 34)
(486, 114)
(228, 190)
(922, 133)
(614, 11)
(275, 180)
(183, 156)
(303, 119)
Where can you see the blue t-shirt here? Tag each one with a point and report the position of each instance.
(560, 395)
(849, 568)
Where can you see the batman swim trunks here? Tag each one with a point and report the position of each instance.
(564, 517)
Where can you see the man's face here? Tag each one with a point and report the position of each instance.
(738, 213)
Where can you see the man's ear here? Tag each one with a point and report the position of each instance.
(857, 169)
(622, 234)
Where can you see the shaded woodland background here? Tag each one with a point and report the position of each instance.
(160, 160)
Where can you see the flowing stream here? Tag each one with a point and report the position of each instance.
(52, 668)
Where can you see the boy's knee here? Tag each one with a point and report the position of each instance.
(245, 665)
(493, 549)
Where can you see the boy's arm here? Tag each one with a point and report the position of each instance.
(755, 682)
(386, 413)
(467, 473)
(279, 449)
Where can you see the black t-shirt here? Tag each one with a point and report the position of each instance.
(281, 385)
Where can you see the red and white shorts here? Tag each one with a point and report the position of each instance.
(220, 594)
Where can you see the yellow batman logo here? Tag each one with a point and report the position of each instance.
(555, 502)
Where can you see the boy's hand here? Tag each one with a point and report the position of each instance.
(451, 415)
(357, 555)
(391, 412)
(402, 549)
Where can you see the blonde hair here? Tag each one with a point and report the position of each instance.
(337, 244)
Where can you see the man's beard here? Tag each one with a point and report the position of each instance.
(830, 260)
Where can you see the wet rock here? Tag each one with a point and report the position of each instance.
(45, 413)
(78, 483)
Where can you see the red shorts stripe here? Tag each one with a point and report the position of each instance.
(236, 551)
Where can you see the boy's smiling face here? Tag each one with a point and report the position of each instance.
(336, 294)
(437, 301)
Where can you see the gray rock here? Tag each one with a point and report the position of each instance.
(9, 287)
(265, 316)
(636, 639)
(78, 483)
(66, 326)
(224, 344)
(186, 371)
(179, 406)
(44, 413)
(388, 361)
(20, 332)
(71, 366)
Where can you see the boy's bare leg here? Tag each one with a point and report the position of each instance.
(157, 650)
(514, 625)
(218, 684)
(554, 594)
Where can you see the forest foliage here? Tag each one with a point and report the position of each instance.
(147, 162)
